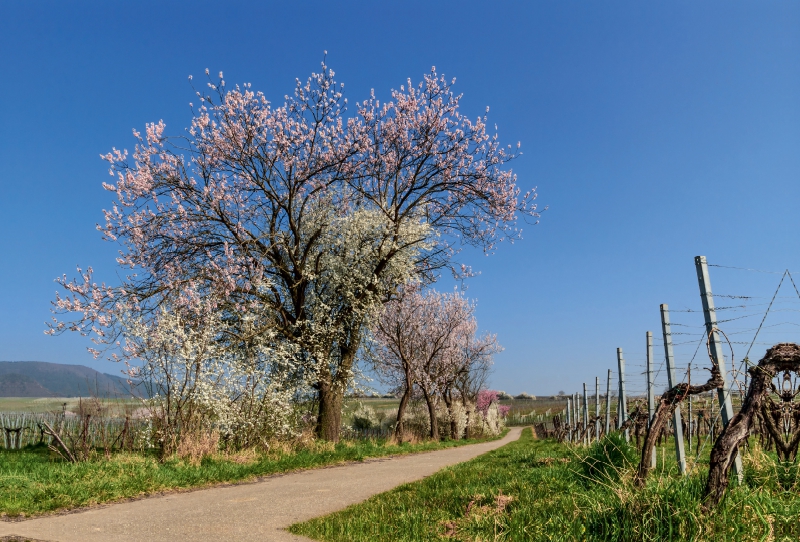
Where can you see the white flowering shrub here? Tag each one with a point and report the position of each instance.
(480, 424)
(417, 421)
(199, 383)
(459, 416)
(493, 422)
(387, 418)
(365, 417)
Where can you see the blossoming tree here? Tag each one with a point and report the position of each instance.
(466, 383)
(296, 218)
(428, 340)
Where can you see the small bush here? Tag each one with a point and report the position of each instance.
(605, 460)
(365, 417)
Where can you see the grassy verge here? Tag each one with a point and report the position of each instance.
(541, 490)
(33, 482)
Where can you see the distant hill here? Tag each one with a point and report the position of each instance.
(42, 379)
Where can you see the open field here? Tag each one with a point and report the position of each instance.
(53, 404)
(33, 481)
(539, 405)
(39, 405)
(543, 490)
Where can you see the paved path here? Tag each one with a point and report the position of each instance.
(256, 511)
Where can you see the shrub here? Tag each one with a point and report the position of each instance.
(198, 384)
(365, 417)
(494, 420)
(524, 397)
(605, 460)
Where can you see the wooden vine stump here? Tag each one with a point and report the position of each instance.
(664, 411)
(783, 357)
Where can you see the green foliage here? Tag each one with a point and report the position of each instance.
(607, 459)
(537, 490)
(33, 481)
(787, 474)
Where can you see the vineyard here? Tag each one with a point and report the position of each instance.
(312, 236)
(73, 436)
(698, 444)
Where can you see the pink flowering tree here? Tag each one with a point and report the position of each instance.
(478, 354)
(487, 398)
(428, 340)
(296, 220)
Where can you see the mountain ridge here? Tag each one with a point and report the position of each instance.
(47, 379)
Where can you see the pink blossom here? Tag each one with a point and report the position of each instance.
(228, 215)
(485, 400)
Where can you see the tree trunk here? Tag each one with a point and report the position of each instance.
(448, 401)
(399, 429)
(467, 413)
(331, 389)
(329, 419)
(430, 401)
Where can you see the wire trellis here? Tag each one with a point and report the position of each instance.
(746, 321)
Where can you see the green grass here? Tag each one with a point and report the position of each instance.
(33, 482)
(556, 494)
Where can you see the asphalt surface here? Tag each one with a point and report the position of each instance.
(246, 512)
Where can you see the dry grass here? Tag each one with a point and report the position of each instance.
(408, 437)
(304, 442)
(241, 457)
(195, 447)
(476, 512)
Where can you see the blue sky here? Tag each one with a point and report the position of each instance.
(654, 131)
